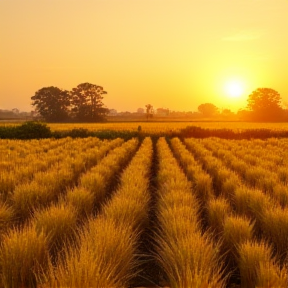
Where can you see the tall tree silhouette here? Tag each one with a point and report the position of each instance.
(52, 103)
(264, 103)
(87, 102)
(208, 109)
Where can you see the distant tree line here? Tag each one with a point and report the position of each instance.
(263, 104)
(13, 114)
(82, 104)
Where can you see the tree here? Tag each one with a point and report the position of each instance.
(149, 111)
(87, 103)
(208, 109)
(227, 113)
(264, 103)
(52, 103)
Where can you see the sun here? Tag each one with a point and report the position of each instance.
(234, 88)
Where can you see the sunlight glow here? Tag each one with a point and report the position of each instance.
(234, 89)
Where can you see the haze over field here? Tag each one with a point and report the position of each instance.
(170, 53)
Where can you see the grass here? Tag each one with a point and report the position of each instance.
(251, 202)
(217, 201)
(236, 230)
(188, 257)
(275, 226)
(58, 223)
(23, 257)
(47, 186)
(104, 259)
(258, 175)
(7, 216)
(81, 199)
(201, 181)
(258, 267)
(217, 210)
(106, 251)
(98, 179)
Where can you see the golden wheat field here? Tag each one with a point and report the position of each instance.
(157, 126)
(179, 213)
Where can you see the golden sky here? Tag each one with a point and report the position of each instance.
(170, 53)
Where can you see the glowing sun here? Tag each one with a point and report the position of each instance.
(234, 89)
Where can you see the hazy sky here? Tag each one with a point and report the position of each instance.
(170, 53)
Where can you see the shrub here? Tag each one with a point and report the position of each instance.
(79, 133)
(198, 132)
(8, 132)
(27, 130)
(33, 130)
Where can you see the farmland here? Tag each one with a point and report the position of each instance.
(156, 126)
(175, 212)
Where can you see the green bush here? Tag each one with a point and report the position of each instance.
(8, 132)
(79, 133)
(33, 130)
(198, 132)
(28, 130)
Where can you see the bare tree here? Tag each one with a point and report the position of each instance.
(149, 111)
